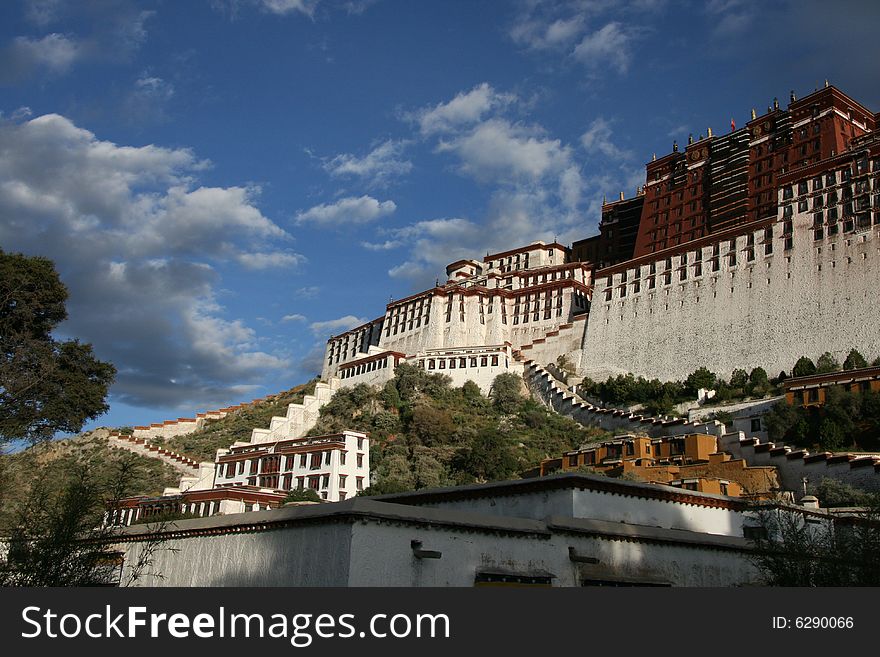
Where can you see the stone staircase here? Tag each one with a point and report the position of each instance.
(183, 464)
(793, 464)
(300, 417)
(564, 401)
(564, 339)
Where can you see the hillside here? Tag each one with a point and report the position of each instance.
(425, 433)
(237, 426)
(60, 462)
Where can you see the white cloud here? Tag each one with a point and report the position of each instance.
(282, 7)
(465, 109)
(148, 99)
(349, 210)
(277, 7)
(296, 317)
(270, 260)
(378, 166)
(42, 12)
(498, 149)
(607, 46)
(598, 138)
(387, 245)
(540, 35)
(53, 53)
(336, 326)
(435, 243)
(309, 292)
(133, 236)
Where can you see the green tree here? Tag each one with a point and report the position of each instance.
(505, 392)
(64, 535)
(854, 360)
(759, 384)
(803, 367)
(792, 552)
(431, 425)
(488, 458)
(739, 379)
(471, 391)
(46, 386)
(700, 378)
(827, 363)
(302, 495)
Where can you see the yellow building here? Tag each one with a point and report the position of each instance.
(812, 390)
(690, 461)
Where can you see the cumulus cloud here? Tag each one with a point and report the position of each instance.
(276, 7)
(465, 109)
(378, 167)
(387, 245)
(555, 34)
(288, 6)
(608, 46)
(53, 53)
(433, 244)
(148, 99)
(296, 317)
(597, 137)
(349, 210)
(134, 239)
(270, 260)
(308, 292)
(42, 12)
(600, 35)
(336, 326)
(498, 149)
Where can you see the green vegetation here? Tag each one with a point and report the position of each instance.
(425, 434)
(46, 386)
(203, 444)
(60, 463)
(834, 493)
(659, 398)
(302, 495)
(791, 552)
(854, 360)
(803, 367)
(847, 420)
(46, 517)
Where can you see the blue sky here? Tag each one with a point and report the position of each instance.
(223, 184)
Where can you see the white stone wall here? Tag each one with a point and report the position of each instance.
(601, 505)
(466, 553)
(376, 372)
(819, 296)
(478, 364)
(305, 556)
(345, 554)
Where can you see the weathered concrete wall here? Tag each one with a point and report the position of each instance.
(465, 553)
(325, 552)
(818, 296)
(304, 556)
(602, 505)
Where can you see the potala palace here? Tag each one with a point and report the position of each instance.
(747, 249)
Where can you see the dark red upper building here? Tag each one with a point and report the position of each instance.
(721, 182)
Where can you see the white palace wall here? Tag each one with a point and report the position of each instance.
(819, 295)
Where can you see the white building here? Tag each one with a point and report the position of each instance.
(562, 530)
(336, 466)
(523, 298)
